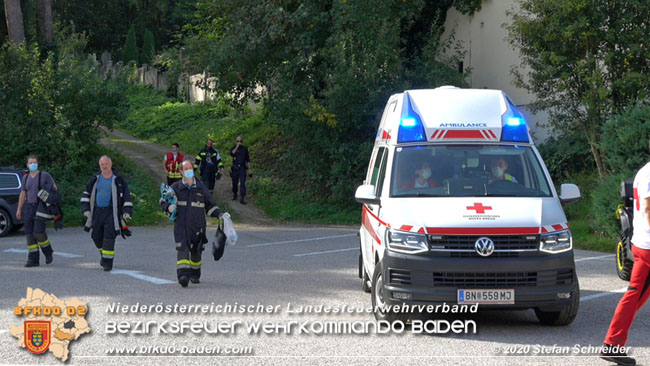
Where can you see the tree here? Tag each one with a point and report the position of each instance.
(584, 60)
(148, 48)
(130, 52)
(44, 11)
(14, 16)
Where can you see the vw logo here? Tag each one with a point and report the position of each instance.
(484, 246)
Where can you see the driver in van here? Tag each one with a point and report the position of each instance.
(421, 178)
(498, 168)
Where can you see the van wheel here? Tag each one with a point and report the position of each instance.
(366, 281)
(623, 262)
(378, 303)
(5, 223)
(564, 316)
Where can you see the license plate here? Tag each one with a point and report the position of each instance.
(486, 296)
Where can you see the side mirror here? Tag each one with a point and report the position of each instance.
(569, 193)
(366, 194)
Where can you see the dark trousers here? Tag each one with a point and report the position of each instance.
(188, 260)
(636, 295)
(104, 235)
(208, 176)
(239, 177)
(35, 233)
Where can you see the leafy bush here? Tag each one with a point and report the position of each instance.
(605, 198)
(130, 52)
(625, 139)
(148, 47)
(567, 154)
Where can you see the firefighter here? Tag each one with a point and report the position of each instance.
(32, 184)
(240, 161)
(208, 162)
(172, 164)
(107, 204)
(194, 201)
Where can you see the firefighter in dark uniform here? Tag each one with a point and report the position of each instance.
(34, 228)
(208, 162)
(107, 205)
(172, 164)
(194, 201)
(240, 162)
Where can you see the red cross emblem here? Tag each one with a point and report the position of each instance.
(480, 209)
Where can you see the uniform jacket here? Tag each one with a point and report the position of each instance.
(173, 165)
(192, 206)
(120, 199)
(51, 208)
(206, 158)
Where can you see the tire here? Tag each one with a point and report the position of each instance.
(623, 262)
(564, 316)
(376, 293)
(5, 223)
(365, 286)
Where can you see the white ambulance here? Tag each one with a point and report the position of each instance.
(459, 208)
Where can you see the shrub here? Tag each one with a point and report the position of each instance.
(625, 139)
(566, 154)
(605, 198)
(148, 48)
(130, 52)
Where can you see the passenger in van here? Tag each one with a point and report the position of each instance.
(421, 178)
(498, 168)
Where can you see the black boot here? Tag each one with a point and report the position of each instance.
(234, 196)
(108, 264)
(48, 254)
(242, 200)
(195, 274)
(616, 355)
(33, 259)
(183, 280)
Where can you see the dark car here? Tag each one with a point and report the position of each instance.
(10, 185)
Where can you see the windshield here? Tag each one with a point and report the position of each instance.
(467, 171)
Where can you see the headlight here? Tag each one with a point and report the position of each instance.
(556, 242)
(405, 242)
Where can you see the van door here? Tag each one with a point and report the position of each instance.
(371, 227)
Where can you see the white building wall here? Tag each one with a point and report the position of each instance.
(490, 56)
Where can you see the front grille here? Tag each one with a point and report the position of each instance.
(564, 277)
(463, 245)
(484, 280)
(399, 277)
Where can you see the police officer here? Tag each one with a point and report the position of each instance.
(106, 202)
(34, 228)
(172, 164)
(208, 162)
(194, 201)
(240, 161)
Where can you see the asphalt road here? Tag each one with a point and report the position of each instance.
(277, 265)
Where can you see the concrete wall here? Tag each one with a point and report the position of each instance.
(491, 57)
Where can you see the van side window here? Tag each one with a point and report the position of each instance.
(382, 174)
(9, 181)
(375, 169)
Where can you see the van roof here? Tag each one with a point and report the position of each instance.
(450, 114)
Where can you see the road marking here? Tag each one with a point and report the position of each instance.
(326, 252)
(592, 258)
(140, 276)
(595, 296)
(67, 255)
(301, 240)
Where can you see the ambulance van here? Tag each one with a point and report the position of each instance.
(459, 208)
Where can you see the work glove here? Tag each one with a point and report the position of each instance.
(58, 223)
(126, 217)
(87, 214)
(43, 195)
(125, 229)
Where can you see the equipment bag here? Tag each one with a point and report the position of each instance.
(229, 230)
(218, 244)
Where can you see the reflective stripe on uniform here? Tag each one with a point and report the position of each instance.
(210, 211)
(183, 263)
(44, 243)
(181, 203)
(84, 199)
(178, 245)
(44, 215)
(195, 264)
(128, 204)
(199, 158)
(197, 204)
(33, 248)
(108, 254)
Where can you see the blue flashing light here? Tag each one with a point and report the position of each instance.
(514, 124)
(411, 128)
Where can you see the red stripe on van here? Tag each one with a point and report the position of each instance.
(493, 134)
(464, 134)
(483, 230)
(435, 133)
(558, 227)
(406, 227)
(365, 220)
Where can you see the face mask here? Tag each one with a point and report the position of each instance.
(497, 171)
(426, 173)
(33, 167)
(189, 174)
